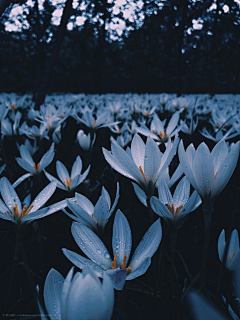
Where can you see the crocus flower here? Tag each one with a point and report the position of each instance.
(78, 297)
(144, 163)
(233, 248)
(209, 172)
(11, 209)
(85, 140)
(69, 182)
(93, 217)
(174, 208)
(117, 268)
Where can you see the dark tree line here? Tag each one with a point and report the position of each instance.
(164, 54)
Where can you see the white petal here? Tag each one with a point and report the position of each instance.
(116, 199)
(152, 160)
(140, 270)
(160, 209)
(62, 172)
(53, 179)
(172, 123)
(25, 154)
(84, 203)
(108, 292)
(21, 179)
(47, 158)
(9, 195)
(91, 245)
(219, 152)
(148, 245)
(43, 196)
(105, 194)
(140, 194)
(101, 212)
(76, 168)
(25, 165)
(164, 193)
(118, 277)
(81, 214)
(138, 151)
(52, 294)
(122, 238)
(181, 194)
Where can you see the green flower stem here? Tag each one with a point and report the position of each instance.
(207, 212)
(15, 261)
(172, 291)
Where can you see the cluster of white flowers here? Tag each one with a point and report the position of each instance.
(147, 132)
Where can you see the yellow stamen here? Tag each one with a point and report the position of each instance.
(92, 215)
(67, 183)
(114, 262)
(141, 170)
(128, 269)
(13, 106)
(15, 211)
(178, 209)
(172, 209)
(218, 125)
(23, 213)
(36, 167)
(94, 123)
(215, 175)
(160, 134)
(123, 264)
(147, 113)
(231, 257)
(184, 106)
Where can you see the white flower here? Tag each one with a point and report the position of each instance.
(233, 248)
(85, 140)
(100, 261)
(144, 163)
(209, 172)
(68, 182)
(78, 297)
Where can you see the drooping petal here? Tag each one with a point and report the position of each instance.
(52, 294)
(122, 238)
(148, 245)
(91, 245)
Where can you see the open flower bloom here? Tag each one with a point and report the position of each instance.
(11, 209)
(78, 297)
(233, 248)
(209, 172)
(68, 182)
(117, 268)
(144, 164)
(174, 208)
(93, 217)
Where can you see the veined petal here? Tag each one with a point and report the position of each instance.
(164, 193)
(25, 165)
(91, 245)
(9, 195)
(105, 194)
(62, 172)
(148, 245)
(122, 238)
(203, 170)
(138, 150)
(21, 179)
(160, 209)
(181, 194)
(152, 160)
(80, 262)
(76, 168)
(219, 152)
(81, 214)
(101, 212)
(53, 179)
(186, 165)
(25, 154)
(47, 158)
(43, 196)
(225, 171)
(140, 270)
(52, 294)
(84, 203)
(140, 194)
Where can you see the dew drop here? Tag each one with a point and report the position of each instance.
(99, 251)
